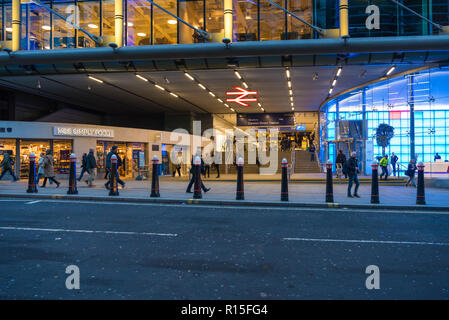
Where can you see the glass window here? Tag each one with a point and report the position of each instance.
(139, 22)
(63, 33)
(214, 19)
(108, 23)
(295, 28)
(191, 11)
(165, 26)
(89, 12)
(38, 36)
(61, 155)
(245, 20)
(26, 148)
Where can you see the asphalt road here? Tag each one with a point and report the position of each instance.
(145, 251)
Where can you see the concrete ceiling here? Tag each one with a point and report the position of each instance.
(123, 92)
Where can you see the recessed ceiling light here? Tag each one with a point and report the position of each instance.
(189, 76)
(391, 70)
(232, 109)
(95, 79)
(290, 92)
(289, 84)
(287, 72)
(330, 91)
(174, 95)
(220, 100)
(245, 85)
(262, 109)
(291, 98)
(339, 71)
(172, 21)
(259, 104)
(92, 26)
(201, 86)
(212, 94)
(334, 82)
(141, 34)
(8, 29)
(130, 24)
(237, 74)
(141, 78)
(159, 87)
(226, 105)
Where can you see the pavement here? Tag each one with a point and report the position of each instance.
(256, 193)
(166, 251)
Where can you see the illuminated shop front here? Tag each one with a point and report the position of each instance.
(416, 105)
(252, 20)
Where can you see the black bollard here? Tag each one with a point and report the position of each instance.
(284, 183)
(329, 187)
(32, 188)
(155, 179)
(375, 183)
(420, 195)
(113, 177)
(72, 175)
(240, 195)
(197, 172)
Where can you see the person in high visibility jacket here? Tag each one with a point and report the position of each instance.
(383, 163)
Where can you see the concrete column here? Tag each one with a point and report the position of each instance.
(228, 19)
(15, 25)
(344, 20)
(119, 20)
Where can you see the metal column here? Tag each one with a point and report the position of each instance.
(411, 102)
(344, 20)
(119, 21)
(15, 25)
(228, 19)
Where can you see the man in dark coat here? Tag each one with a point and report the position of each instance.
(339, 163)
(6, 165)
(193, 178)
(113, 151)
(91, 167)
(352, 169)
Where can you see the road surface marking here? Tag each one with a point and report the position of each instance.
(370, 241)
(91, 231)
(33, 202)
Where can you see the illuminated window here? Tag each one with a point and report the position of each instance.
(164, 25)
(139, 22)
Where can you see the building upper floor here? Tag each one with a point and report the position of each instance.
(58, 24)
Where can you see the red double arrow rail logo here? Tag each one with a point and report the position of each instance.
(242, 94)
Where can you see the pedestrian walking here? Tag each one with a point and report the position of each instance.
(384, 166)
(410, 173)
(7, 165)
(214, 161)
(193, 177)
(339, 163)
(394, 159)
(49, 169)
(91, 167)
(40, 166)
(352, 169)
(114, 151)
(83, 166)
(207, 163)
(177, 166)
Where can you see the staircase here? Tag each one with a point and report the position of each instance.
(303, 163)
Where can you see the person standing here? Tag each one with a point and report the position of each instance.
(91, 167)
(352, 168)
(312, 152)
(7, 165)
(83, 166)
(193, 178)
(394, 160)
(49, 169)
(113, 151)
(177, 166)
(384, 166)
(216, 165)
(339, 163)
(410, 173)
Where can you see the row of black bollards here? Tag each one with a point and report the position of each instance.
(240, 193)
(420, 188)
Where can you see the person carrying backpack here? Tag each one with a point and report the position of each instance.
(7, 164)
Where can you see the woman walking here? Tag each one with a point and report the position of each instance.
(411, 173)
(49, 169)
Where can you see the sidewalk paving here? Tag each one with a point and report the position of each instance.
(261, 192)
